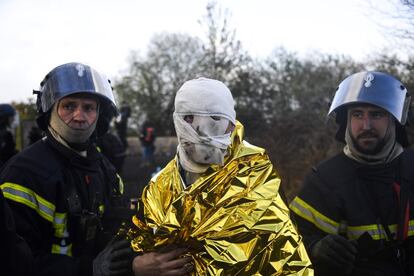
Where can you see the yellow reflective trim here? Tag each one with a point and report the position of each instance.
(60, 225)
(29, 198)
(376, 231)
(27, 190)
(304, 210)
(98, 149)
(101, 209)
(121, 184)
(60, 218)
(411, 228)
(62, 250)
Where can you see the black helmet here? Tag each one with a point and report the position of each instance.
(375, 88)
(75, 78)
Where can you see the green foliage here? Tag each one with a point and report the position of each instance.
(26, 110)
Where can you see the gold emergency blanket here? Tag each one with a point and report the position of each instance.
(233, 218)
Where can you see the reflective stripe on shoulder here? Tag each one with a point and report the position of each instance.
(21, 194)
(121, 184)
(304, 210)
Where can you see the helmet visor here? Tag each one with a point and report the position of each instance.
(74, 78)
(374, 88)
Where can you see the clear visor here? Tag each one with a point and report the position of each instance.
(74, 78)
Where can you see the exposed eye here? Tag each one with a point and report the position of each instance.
(378, 114)
(89, 108)
(69, 106)
(189, 118)
(356, 115)
(216, 118)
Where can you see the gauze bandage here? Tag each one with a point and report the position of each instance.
(199, 147)
(204, 141)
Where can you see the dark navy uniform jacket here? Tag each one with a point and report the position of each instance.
(59, 200)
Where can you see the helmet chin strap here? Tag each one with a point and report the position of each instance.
(70, 135)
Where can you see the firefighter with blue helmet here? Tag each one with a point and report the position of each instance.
(62, 189)
(356, 209)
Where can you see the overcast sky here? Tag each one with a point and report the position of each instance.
(38, 35)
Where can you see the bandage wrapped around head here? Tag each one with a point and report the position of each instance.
(204, 138)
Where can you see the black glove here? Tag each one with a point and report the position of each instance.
(115, 259)
(335, 251)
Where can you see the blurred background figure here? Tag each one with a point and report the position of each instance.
(121, 123)
(35, 134)
(112, 147)
(9, 120)
(147, 137)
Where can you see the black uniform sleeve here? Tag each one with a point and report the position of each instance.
(39, 236)
(316, 211)
(307, 222)
(15, 255)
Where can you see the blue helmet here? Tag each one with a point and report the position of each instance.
(369, 87)
(8, 115)
(374, 88)
(7, 110)
(76, 78)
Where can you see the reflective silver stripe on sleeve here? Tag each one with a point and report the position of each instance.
(29, 198)
(304, 210)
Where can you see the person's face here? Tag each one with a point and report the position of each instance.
(207, 126)
(368, 126)
(77, 112)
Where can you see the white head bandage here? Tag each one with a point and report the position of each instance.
(206, 97)
(203, 141)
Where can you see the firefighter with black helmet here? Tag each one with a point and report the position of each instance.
(61, 189)
(356, 209)
(8, 121)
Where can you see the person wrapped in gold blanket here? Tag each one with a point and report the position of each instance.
(215, 208)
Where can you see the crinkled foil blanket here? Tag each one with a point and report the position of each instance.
(232, 218)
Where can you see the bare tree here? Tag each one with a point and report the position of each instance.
(150, 85)
(395, 19)
(223, 51)
(171, 59)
